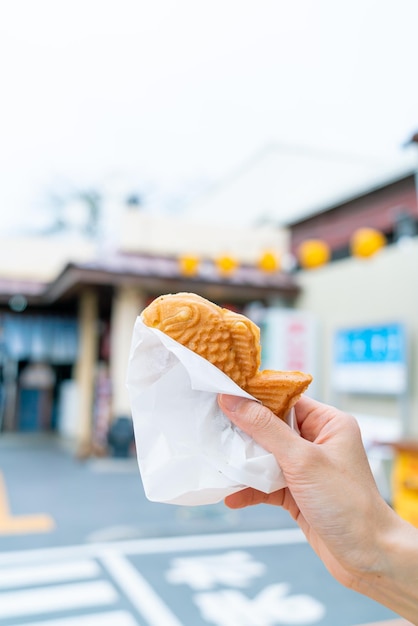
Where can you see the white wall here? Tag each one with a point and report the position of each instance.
(355, 292)
(165, 235)
(41, 257)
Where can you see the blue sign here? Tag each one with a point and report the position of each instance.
(376, 344)
(371, 359)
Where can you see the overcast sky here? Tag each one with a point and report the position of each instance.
(167, 95)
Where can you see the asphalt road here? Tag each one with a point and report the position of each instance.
(81, 545)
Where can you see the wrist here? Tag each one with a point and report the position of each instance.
(390, 575)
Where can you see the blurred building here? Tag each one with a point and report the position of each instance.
(368, 298)
(68, 304)
(389, 206)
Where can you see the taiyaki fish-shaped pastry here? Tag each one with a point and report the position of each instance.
(228, 340)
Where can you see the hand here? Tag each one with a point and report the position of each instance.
(330, 490)
(332, 495)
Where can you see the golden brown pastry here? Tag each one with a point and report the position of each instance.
(228, 340)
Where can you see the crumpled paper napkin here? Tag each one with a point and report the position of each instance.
(188, 451)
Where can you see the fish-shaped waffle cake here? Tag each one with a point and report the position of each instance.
(228, 340)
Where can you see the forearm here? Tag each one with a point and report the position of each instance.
(395, 582)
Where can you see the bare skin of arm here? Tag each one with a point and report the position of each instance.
(332, 495)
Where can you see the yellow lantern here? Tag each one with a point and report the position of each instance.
(189, 265)
(313, 253)
(365, 242)
(269, 261)
(226, 264)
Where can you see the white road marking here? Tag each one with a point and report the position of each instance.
(114, 618)
(137, 589)
(271, 606)
(161, 545)
(56, 598)
(41, 574)
(34, 567)
(235, 568)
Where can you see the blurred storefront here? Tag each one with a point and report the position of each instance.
(66, 339)
(38, 352)
(67, 372)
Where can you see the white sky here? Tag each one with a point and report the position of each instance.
(164, 95)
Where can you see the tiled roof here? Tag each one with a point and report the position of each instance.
(168, 267)
(151, 273)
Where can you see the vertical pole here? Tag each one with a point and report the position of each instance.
(85, 367)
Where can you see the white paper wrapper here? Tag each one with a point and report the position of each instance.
(188, 451)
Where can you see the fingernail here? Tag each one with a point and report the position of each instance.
(231, 403)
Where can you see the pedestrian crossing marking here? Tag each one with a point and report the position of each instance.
(18, 524)
(140, 593)
(29, 588)
(56, 598)
(29, 579)
(47, 573)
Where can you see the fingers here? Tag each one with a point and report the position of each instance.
(312, 416)
(272, 433)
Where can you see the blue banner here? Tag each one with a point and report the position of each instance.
(375, 344)
(371, 359)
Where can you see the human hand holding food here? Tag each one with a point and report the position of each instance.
(332, 495)
(185, 350)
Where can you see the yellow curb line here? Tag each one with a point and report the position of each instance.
(20, 524)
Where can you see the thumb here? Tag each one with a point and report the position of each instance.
(272, 433)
